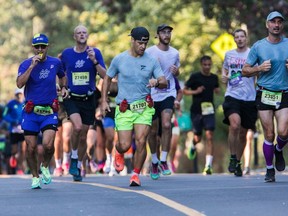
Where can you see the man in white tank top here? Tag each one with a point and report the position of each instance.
(164, 100)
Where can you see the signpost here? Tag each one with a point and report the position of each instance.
(222, 44)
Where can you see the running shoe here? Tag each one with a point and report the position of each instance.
(13, 162)
(35, 183)
(46, 177)
(119, 161)
(65, 168)
(270, 175)
(134, 180)
(208, 170)
(246, 171)
(78, 177)
(101, 167)
(107, 166)
(83, 172)
(191, 152)
(163, 166)
(93, 166)
(73, 169)
(279, 159)
(154, 172)
(173, 168)
(58, 172)
(232, 165)
(238, 170)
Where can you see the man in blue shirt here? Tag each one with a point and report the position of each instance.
(13, 115)
(38, 75)
(270, 56)
(81, 63)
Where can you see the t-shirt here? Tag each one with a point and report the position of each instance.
(209, 82)
(241, 88)
(41, 85)
(276, 78)
(80, 70)
(133, 75)
(166, 60)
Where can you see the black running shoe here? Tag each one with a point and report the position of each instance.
(232, 165)
(270, 175)
(78, 178)
(238, 170)
(279, 160)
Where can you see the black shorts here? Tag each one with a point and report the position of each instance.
(261, 106)
(245, 109)
(202, 122)
(16, 138)
(86, 109)
(159, 106)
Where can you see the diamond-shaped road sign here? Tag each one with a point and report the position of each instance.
(222, 44)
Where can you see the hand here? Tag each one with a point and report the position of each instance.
(266, 65)
(64, 92)
(91, 54)
(36, 59)
(152, 83)
(225, 78)
(200, 89)
(104, 108)
(173, 69)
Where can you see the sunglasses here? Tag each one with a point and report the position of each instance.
(40, 46)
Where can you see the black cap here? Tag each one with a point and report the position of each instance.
(163, 26)
(140, 33)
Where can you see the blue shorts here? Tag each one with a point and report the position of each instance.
(35, 123)
(108, 122)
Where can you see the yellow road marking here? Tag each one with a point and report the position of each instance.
(168, 202)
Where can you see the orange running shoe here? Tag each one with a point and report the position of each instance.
(119, 161)
(134, 180)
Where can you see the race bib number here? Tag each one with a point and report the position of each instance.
(80, 78)
(43, 110)
(271, 98)
(138, 106)
(207, 108)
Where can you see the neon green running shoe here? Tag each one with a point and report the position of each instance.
(208, 170)
(35, 183)
(191, 152)
(46, 176)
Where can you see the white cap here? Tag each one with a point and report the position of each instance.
(18, 91)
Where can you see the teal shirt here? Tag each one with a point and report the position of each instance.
(133, 75)
(277, 78)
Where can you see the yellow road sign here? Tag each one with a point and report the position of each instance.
(222, 44)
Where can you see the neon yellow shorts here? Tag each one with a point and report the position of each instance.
(126, 120)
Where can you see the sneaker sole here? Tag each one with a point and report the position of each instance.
(154, 177)
(134, 184)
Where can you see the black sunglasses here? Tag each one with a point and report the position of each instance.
(40, 46)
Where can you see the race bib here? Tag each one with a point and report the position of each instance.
(271, 98)
(80, 78)
(207, 108)
(138, 106)
(43, 110)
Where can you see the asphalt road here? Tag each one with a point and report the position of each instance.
(178, 194)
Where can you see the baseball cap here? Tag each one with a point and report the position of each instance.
(18, 91)
(163, 26)
(140, 33)
(40, 39)
(274, 14)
